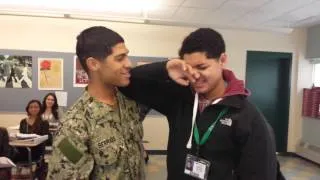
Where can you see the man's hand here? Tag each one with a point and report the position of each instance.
(181, 72)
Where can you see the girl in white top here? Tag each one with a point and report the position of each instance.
(50, 109)
(50, 112)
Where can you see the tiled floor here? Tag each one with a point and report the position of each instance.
(293, 168)
(299, 169)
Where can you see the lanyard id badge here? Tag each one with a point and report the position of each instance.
(197, 167)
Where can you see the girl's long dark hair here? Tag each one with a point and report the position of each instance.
(54, 107)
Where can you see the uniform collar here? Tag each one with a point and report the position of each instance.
(92, 101)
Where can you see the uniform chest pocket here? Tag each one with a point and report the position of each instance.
(133, 131)
(107, 145)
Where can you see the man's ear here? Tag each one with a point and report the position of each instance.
(223, 59)
(92, 64)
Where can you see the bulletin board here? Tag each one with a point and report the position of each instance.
(15, 99)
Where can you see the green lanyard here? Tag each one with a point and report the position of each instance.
(206, 135)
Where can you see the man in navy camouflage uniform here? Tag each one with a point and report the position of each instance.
(100, 136)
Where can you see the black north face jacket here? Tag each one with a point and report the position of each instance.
(242, 150)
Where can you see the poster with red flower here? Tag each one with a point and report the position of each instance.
(80, 77)
(50, 74)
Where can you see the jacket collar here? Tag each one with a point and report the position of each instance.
(235, 101)
(235, 86)
(235, 91)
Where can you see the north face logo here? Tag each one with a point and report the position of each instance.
(226, 121)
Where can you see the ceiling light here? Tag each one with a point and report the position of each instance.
(106, 18)
(32, 13)
(84, 5)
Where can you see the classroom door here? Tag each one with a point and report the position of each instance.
(268, 77)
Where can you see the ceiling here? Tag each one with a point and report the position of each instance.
(282, 15)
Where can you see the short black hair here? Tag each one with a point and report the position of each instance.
(203, 40)
(96, 42)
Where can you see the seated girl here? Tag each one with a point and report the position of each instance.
(33, 125)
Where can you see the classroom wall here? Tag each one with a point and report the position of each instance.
(310, 126)
(313, 42)
(310, 131)
(47, 34)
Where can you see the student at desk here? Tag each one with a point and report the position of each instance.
(33, 124)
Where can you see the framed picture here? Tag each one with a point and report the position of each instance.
(50, 73)
(80, 77)
(15, 71)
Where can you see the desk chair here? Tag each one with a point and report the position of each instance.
(30, 168)
(5, 173)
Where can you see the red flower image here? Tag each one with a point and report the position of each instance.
(45, 65)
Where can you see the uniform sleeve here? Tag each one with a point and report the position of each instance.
(70, 157)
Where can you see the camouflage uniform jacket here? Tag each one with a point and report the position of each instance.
(97, 142)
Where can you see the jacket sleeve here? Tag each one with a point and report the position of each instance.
(257, 159)
(143, 111)
(150, 85)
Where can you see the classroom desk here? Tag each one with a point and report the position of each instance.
(28, 144)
